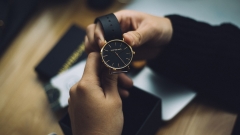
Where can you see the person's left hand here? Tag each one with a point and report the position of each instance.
(146, 34)
(95, 106)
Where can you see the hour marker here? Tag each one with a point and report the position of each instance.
(127, 53)
(125, 48)
(121, 45)
(108, 61)
(105, 55)
(115, 43)
(112, 64)
(118, 65)
(109, 45)
(127, 58)
(105, 50)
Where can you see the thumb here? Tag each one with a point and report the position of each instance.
(109, 83)
(137, 37)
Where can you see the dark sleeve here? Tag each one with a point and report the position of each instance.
(204, 57)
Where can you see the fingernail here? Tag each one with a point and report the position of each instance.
(132, 43)
(129, 37)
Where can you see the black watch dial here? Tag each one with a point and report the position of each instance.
(117, 54)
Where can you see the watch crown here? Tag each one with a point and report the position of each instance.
(133, 52)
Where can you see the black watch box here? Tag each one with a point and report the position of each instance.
(68, 51)
(142, 114)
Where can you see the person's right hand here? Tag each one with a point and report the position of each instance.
(95, 106)
(145, 33)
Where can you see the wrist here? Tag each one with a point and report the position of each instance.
(167, 31)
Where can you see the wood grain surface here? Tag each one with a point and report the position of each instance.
(24, 109)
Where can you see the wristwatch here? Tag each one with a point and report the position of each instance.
(116, 54)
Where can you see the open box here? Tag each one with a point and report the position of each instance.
(142, 114)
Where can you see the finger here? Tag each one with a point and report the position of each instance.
(138, 37)
(92, 67)
(87, 45)
(109, 84)
(90, 33)
(123, 92)
(92, 45)
(72, 95)
(124, 81)
(128, 19)
(136, 32)
(72, 91)
(69, 105)
(99, 36)
(69, 102)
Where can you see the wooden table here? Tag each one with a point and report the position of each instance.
(24, 109)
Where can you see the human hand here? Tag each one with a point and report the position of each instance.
(95, 106)
(145, 33)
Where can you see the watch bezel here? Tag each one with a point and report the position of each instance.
(114, 68)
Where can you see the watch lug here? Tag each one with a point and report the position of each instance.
(109, 71)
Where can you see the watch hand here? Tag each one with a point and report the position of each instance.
(122, 50)
(120, 58)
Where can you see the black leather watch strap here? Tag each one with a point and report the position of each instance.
(111, 27)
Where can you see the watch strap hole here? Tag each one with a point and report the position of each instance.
(111, 27)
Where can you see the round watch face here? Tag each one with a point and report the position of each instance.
(116, 54)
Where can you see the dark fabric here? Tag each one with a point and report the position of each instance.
(204, 57)
(13, 13)
(236, 128)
